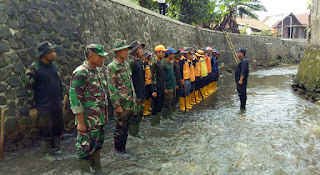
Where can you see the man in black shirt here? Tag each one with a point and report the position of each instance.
(138, 80)
(45, 94)
(241, 77)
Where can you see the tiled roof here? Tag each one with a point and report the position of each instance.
(253, 23)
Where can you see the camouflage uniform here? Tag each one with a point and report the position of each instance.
(88, 95)
(121, 94)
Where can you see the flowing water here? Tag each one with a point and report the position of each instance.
(278, 134)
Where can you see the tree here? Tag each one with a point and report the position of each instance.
(229, 9)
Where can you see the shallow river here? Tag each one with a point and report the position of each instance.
(278, 134)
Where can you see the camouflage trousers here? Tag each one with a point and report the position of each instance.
(138, 113)
(122, 126)
(90, 142)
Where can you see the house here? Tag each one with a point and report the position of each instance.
(292, 26)
(251, 25)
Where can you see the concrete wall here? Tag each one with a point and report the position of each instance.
(73, 24)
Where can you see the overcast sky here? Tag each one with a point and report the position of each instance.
(275, 7)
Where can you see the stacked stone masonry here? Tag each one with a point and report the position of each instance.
(71, 25)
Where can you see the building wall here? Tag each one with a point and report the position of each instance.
(72, 24)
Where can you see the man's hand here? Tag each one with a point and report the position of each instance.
(177, 87)
(166, 91)
(240, 82)
(33, 113)
(82, 127)
(154, 94)
(119, 110)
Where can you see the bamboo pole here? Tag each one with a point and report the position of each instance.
(2, 132)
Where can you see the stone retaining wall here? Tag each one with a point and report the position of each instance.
(73, 24)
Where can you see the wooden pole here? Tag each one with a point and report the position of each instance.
(2, 132)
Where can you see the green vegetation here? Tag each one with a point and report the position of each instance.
(213, 14)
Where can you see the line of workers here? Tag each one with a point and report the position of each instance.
(196, 74)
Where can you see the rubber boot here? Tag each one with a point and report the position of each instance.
(182, 102)
(46, 150)
(202, 92)
(215, 85)
(165, 112)
(155, 119)
(95, 162)
(172, 113)
(198, 96)
(147, 105)
(55, 144)
(133, 130)
(206, 90)
(84, 166)
(243, 104)
(189, 106)
(193, 99)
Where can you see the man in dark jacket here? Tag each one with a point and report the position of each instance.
(241, 77)
(158, 85)
(45, 94)
(138, 80)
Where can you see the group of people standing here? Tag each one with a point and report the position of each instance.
(136, 84)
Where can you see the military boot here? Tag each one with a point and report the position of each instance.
(46, 150)
(55, 145)
(172, 113)
(133, 130)
(155, 119)
(95, 161)
(84, 167)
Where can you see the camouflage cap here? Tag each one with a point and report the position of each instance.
(96, 48)
(120, 45)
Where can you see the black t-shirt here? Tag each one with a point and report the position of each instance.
(242, 70)
(138, 78)
(48, 89)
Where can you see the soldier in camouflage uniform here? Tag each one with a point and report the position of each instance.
(88, 102)
(45, 94)
(122, 94)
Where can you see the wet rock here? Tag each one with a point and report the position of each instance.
(47, 26)
(11, 125)
(34, 5)
(10, 11)
(4, 47)
(11, 94)
(14, 81)
(61, 61)
(60, 51)
(13, 24)
(3, 87)
(33, 16)
(23, 55)
(34, 28)
(4, 61)
(18, 67)
(44, 3)
(14, 43)
(66, 44)
(64, 33)
(55, 39)
(29, 41)
(5, 73)
(12, 109)
(32, 53)
(3, 100)
(5, 32)
(3, 17)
